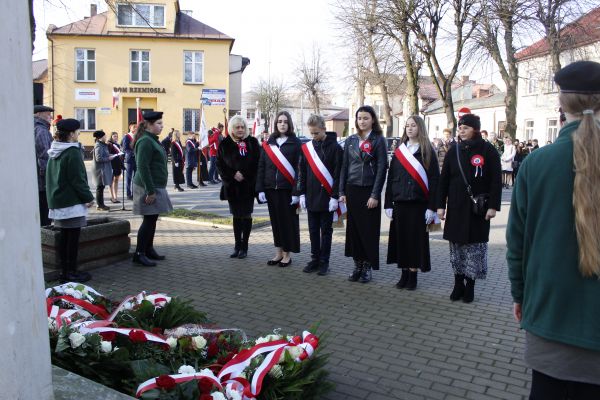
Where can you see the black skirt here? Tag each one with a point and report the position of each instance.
(178, 178)
(284, 220)
(363, 226)
(241, 208)
(408, 245)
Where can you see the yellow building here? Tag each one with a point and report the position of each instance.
(154, 53)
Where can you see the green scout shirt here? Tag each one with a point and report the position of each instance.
(558, 303)
(151, 163)
(66, 180)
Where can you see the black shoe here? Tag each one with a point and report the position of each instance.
(114, 201)
(192, 186)
(235, 253)
(323, 268)
(366, 275)
(357, 271)
(285, 264)
(243, 254)
(213, 182)
(412, 280)
(129, 197)
(274, 262)
(469, 291)
(179, 188)
(79, 277)
(403, 279)
(312, 266)
(203, 184)
(153, 255)
(141, 259)
(103, 208)
(459, 287)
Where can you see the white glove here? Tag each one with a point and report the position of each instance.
(295, 200)
(303, 202)
(262, 198)
(389, 212)
(429, 216)
(112, 156)
(333, 205)
(176, 165)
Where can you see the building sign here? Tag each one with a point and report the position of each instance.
(125, 89)
(103, 110)
(87, 94)
(214, 97)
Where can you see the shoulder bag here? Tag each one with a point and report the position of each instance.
(480, 202)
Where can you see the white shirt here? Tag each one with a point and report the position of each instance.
(412, 147)
(281, 140)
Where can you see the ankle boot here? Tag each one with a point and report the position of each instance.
(412, 280)
(237, 234)
(141, 259)
(366, 275)
(153, 255)
(469, 291)
(459, 287)
(357, 271)
(403, 279)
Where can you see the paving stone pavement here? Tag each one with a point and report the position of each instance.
(384, 343)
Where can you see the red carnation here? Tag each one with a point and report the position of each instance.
(165, 382)
(137, 336)
(157, 331)
(108, 336)
(213, 349)
(205, 396)
(205, 385)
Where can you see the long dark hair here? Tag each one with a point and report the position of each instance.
(140, 131)
(376, 128)
(290, 131)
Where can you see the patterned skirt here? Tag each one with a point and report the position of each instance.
(469, 259)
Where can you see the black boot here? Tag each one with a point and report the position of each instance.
(246, 229)
(459, 287)
(469, 291)
(153, 255)
(237, 234)
(403, 279)
(411, 284)
(179, 188)
(311, 266)
(323, 268)
(141, 259)
(100, 200)
(366, 275)
(358, 266)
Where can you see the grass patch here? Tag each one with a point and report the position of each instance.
(196, 215)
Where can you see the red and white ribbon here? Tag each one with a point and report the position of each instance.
(105, 326)
(413, 167)
(179, 378)
(158, 299)
(280, 162)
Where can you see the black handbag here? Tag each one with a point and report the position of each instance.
(480, 202)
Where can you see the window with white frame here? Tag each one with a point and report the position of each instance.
(191, 120)
(250, 114)
(87, 118)
(531, 83)
(551, 87)
(140, 66)
(551, 129)
(141, 15)
(528, 129)
(193, 66)
(85, 65)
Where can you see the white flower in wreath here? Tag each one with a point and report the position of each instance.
(268, 338)
(218, 396)
(186, 369)
(52, 324)
(295, 352)
(76, 339)
(172, 342)
(198, 342)
(105, 347)
(233, 394)
(276, 372)
(128, 305)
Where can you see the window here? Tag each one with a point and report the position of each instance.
(85, 64)
(87, 118)
(551, 129)
(528, 129)
(191, 120)
(531, 83)
(250, 114)
(551, 87)
(142, 15)
(193, 66)
(140, 66)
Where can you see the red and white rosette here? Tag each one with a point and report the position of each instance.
(179, 378)
(478, 162)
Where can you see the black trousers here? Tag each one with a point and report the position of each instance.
(242, 226)
(43, 205)
(544, 387)
(321, 231)
(100, 195)
(188, 176)
(68, 248)
(130, 168)
(145, 236)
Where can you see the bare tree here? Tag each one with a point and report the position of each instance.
(271, 96)
(313, 77)
(426, 23)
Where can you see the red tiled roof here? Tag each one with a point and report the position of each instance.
(581, 32)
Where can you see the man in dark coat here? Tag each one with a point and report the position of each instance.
(130, 166)
(166, 142)
(320, 198)
(42, 115)
(191, 156)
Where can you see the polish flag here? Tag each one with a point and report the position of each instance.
(256, 122)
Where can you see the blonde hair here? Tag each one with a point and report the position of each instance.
(586, 160)
(422, 138)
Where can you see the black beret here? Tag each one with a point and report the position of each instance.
(579, 77)
(39, 108)
(68, 125)
(471, 120)
(99, 134)
(152, 115)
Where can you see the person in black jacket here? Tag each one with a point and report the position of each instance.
(177, 161)
(318, 197)
(361, 181)
(467, 232)
(237, 162)
(191, 155)
(117, 166)
(278, 187)
(166, 142)
(410, 202)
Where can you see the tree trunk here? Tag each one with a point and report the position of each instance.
(412, 75)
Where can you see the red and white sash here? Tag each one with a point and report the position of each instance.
(179, 149)
(282, 164)
(413, 167)
(130, 143)
(322, 174)
(192, 142)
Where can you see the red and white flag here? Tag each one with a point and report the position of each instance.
(256, 126)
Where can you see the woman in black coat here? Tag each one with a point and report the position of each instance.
(117, 166)
(237, 162)
(467, 232)
(177, 160)
(278, 188)
(410, 201)
(361, 181)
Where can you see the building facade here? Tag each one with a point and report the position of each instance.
(138, 53)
